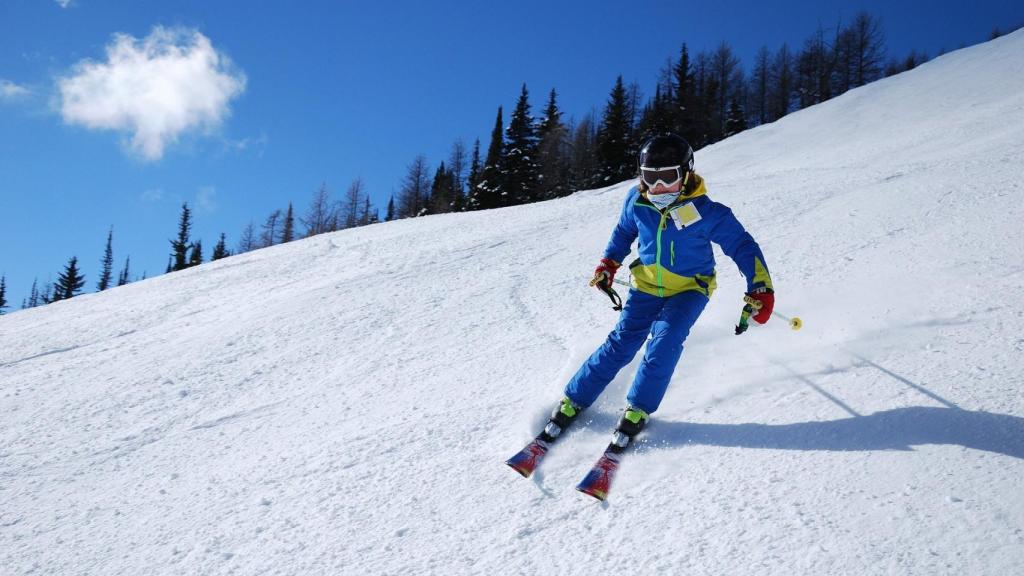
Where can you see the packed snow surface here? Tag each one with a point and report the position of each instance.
(344, 404)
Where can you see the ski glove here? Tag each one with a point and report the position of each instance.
(605, 272)
(765, 301)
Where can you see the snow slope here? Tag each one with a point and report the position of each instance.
(343, 404)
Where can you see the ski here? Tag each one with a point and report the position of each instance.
(527, 460)
(598, 481)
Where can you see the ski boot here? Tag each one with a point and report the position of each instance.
(527, 460)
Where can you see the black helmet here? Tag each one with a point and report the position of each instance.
(667, 150)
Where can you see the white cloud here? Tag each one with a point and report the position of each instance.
(9, 90)
(156, 89)
(63, 3)
(153, 195)
(206, 198)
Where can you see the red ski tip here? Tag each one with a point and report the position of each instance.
(601, 496)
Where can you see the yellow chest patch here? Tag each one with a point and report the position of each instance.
(685, 215)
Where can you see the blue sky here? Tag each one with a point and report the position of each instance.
(284, 96)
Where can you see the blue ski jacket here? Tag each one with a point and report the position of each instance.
(675, 243)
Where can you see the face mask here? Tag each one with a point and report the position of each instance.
(662, 200)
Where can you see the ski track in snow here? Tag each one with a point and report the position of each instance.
(343, 404)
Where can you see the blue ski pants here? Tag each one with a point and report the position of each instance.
(668, 321)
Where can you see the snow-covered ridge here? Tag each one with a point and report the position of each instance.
(343, 404)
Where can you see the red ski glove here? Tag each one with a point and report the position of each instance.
(606, 270)
(766, 298)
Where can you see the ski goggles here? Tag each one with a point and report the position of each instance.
(667, 176)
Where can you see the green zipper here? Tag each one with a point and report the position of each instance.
(657, 257)
(672, 248)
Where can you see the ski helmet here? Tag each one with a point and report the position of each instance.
(666, 150)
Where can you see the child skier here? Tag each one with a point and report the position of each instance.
(671, 282)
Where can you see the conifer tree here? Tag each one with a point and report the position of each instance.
(614, 150)
(247, 241)
(3, 293)
(737, 120)
(107, 263)
(684, 99)
(390, 215)
(367, 216)
(867, 43)
(70, 281)
(196, 256)
(488, 192)
(287, 233)
(586, 171)
(221, 249)
(457, 172)
(33, 296)
(413, 196)
(814, 69)
(780, 93)
(440, 191)
(320, 215)
(657, 117)
(760, 87)
(180, 246)
(352, 203)
(46, 296)
(474, 177)
(519, 170)
(553, 152)
(123, 278)
(270, 229)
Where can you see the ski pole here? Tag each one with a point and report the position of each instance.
(606, 287)
(751, 305)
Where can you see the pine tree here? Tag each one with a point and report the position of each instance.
(488, 192)
(760, 86)
(440, 191)
(869, 55)
(3, 293)
(320, 216)
(684, 100)
(519, 170)
(247, 241)
(456, 180)
(287, 234)
(553, 152)
(367, 216)
(353, 200)
(107, 263)
(736, 121)
(180, 246)
(196, 256)
(33, 296)
(474, 178)
(657, 117)
(586, 171)
(780, 93)
(814, 69)
(70, 281)
(413, 196)
(221, 249)
(123, 278)
(270, 229)
(390, 215)
(728, 77)
(614, 149)
(47, 295)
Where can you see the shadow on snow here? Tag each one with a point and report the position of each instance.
(897, 429)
